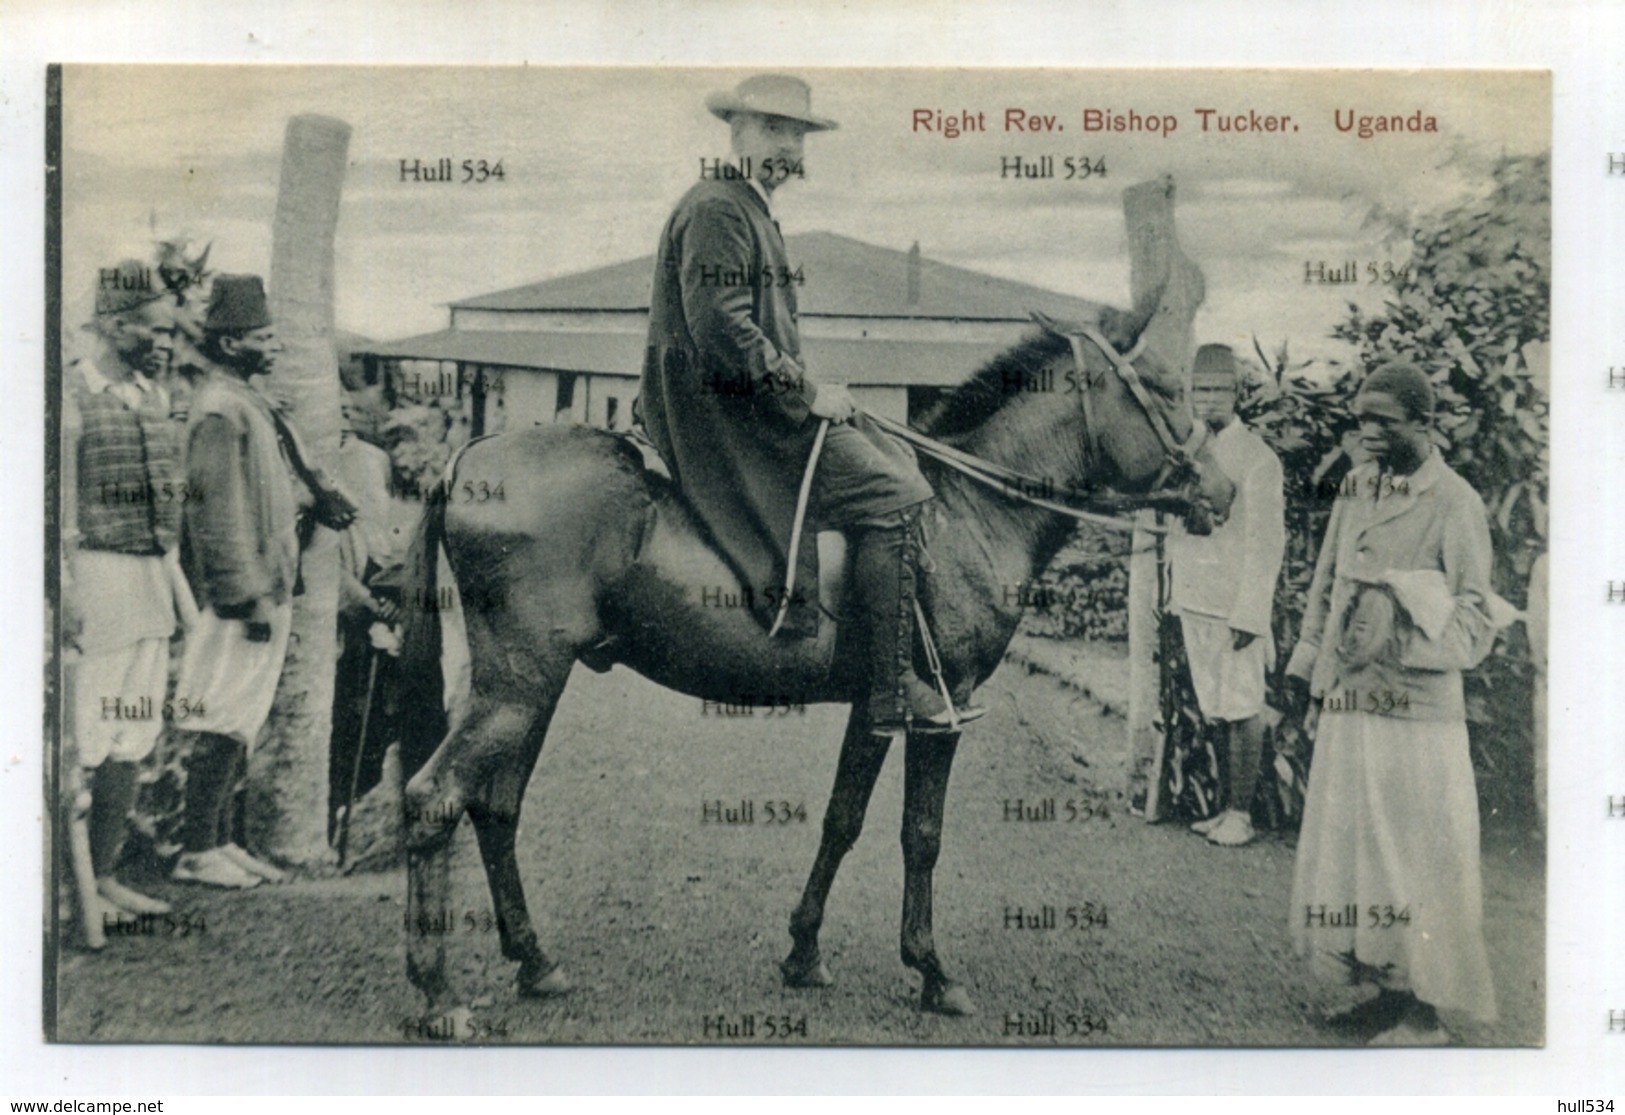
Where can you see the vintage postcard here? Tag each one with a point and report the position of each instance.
(879, 557)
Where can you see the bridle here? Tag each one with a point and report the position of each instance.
(1178, 458)
(1168, 489)
(1178, 464)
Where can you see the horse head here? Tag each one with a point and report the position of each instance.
(1138, 432)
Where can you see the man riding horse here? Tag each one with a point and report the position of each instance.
(728, 402)
(594, 559)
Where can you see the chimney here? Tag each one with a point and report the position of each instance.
(914, 274)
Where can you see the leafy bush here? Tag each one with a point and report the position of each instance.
(1084, 592)
(1472, 310)
(1474, 313)
(416, 437)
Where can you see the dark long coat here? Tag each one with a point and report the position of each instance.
(723, 395)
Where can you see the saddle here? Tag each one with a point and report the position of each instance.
(834, 580)
(833, 566)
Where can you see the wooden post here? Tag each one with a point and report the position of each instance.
(1158, 268)
(287, 800)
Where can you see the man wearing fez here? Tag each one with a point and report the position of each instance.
(240, 548)
(1224, 593)
(122, 589)
(731, 406)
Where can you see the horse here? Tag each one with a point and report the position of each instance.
(591, 557)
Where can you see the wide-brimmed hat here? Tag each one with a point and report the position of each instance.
(770, 95)
(237, 304)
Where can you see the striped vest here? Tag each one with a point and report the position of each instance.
(130, 485)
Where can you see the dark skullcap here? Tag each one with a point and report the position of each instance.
(1407, 384)
(1215, 360)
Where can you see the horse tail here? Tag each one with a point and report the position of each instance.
(422, 705)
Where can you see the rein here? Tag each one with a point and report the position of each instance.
(1018, 486)
(1023, 488)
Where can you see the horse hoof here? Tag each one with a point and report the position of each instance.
(815, 974)
(550, 986)
(949, 999)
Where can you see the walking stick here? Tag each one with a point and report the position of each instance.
(360, 749)
(1153, 793)
(795, 529)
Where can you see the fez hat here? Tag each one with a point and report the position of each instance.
(770, 95)
(1215, 360)
(126, 287)
(237, 305)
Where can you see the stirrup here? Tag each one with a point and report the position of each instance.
(954, 718)
(952, 721)
(948, 722)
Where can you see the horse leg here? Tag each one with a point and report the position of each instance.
(862, 756)
(435, 800)
(926, 763)
(496, 823)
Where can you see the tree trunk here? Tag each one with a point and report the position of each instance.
(287, 799)
(1157, 266)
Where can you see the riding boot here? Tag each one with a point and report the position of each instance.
(885, 569)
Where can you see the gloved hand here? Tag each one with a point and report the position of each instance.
(833, 401)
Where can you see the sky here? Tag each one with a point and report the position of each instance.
(594, 158)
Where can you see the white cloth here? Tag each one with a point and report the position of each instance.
(117, 698)
(456, 667)
(1425, 596)
(1431, 520)
(363, 474)
(232, 679)
(1390, 826)
(133, 391)
(1229, 683)
(1231, 573)
(123, 599)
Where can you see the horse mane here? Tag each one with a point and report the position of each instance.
(968, 406)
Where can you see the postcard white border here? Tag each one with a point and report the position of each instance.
(1586, 887)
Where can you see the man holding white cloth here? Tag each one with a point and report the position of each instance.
(1224, 591)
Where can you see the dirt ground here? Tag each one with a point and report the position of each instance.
(672, 928)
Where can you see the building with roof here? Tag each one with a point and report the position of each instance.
(896, 327)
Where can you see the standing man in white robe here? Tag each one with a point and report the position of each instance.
(1224, 593)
